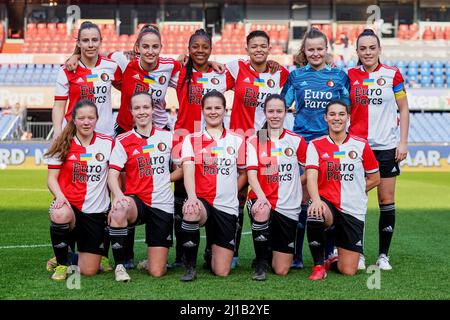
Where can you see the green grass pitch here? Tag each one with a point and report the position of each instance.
(419, 254)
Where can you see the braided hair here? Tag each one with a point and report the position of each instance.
(190, 63)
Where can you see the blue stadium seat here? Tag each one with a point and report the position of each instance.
(351, 64)
(35, 79)
(4, 68)
(438, 81)
(339, 64)
(413, 64)
(39, 66)
(438, 71)
(412, 79)
(389, 63)
(425, 64)
(425, 81)
(401, 64)
(438, 64)
(412, 72)
(425, 71)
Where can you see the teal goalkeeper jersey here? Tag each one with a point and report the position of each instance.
(312, 90)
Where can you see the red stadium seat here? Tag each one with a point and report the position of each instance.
(428, 34)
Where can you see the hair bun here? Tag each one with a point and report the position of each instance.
(368, 31)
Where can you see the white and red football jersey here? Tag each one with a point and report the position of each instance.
(342, 171)
(91, 84)
(190, 116)
(277, 163)
(146, 163)
(190, 105)
(374, 107)
(136, 79)
(216, 167)
(251, 90)
(83, 175)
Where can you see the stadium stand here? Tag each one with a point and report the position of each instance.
(8, 124)
(429, 127)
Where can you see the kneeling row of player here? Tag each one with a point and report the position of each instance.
(340, 170)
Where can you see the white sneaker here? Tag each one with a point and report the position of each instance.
(142, 265)
(121, 274)
(383, 262)
(362, 262)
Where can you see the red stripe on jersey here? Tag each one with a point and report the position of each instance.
(359, 118)
(329, 173)
(61, 97)
(250, 93)
(138, 166)
(72, 177)
(133, 82)
(205, 168)
(267, 171)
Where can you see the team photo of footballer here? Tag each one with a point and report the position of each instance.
(166, 150)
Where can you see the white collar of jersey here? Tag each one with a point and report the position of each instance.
(140, 66)
(210, 137)
(96, 64)
(327, 67)
(78, 141)
(253, 69)
(347, 137)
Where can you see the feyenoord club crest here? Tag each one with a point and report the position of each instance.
(99, 156)
(271, 83)
(162, 80)
(215, 81)
(381, 82)
(231, 151)
(288, 152)
(162, 146)
(104, 77)
(330, 83)
(353, 155)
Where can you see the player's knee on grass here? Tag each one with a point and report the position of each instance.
(221, 271)
(156, 272)
(280, 270)
(347, 269)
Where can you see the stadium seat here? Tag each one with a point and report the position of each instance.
(438, 71)
(351, 64)
(425, 81)
(425, 71)
(438, 81)
(339, 64)
(400, 64)
(412, 79)
(425, 64)
(412, 72)
(438, 64)
(413, 64)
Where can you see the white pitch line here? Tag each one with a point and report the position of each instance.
(24, 189)
(28, 246)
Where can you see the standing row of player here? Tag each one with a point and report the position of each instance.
(371, 87)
